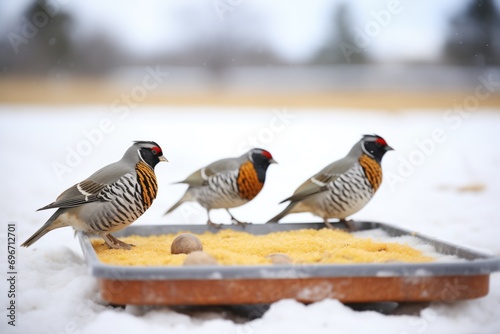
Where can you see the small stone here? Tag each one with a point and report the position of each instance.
(185, 244)
(199, 258)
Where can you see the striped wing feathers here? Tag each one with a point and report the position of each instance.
(200, 177)
(81, 193)
(315, 185)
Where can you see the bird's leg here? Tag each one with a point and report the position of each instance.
(236, 221)
(210, 223)
(328, 224)
(114, 243)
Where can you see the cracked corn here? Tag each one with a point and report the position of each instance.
(307, 246)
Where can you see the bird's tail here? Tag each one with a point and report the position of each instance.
(282, 214)
(186, 198)
(50, 225)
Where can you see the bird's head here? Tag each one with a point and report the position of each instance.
(149, 152)
(374, 146)
(261, 158)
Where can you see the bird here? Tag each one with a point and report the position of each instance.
(110, 199)
(342, 188)
(227, 183)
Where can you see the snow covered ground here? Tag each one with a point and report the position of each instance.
(442, 180)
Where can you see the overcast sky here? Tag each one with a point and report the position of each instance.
(293, 29)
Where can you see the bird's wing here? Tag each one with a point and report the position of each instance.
(195, 179)
(90, 189)
(84, 192)
(201, 176)
(318, 183)
(312, 186)
(222, 166)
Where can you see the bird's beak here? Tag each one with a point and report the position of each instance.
(388, 148)
(272, 161)
(162, 158)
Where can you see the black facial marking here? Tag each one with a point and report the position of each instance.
(375, 149)
(149, 157)
(261, 163)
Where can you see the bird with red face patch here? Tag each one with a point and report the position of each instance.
(343, 187)
(227, 183)
(110, 199)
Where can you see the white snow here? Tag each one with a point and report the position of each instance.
(55, 293)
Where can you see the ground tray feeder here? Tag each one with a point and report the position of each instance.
(262, 284)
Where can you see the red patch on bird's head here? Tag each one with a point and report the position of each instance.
(156, 150)
(381, 141)
(267, 154)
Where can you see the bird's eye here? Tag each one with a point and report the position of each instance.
(155, 150)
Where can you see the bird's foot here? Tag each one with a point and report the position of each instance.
(236, 221)
(214, 225)
(348, 223)
(240, 223)
(114, 243)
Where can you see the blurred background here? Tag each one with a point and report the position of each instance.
(210, 79)
(386, 54)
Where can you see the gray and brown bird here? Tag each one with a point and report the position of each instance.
(342, 188)
(227, 183)
(110, 199)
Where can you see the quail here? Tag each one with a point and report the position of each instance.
(110, 199)
(343, 187)
(227, 183)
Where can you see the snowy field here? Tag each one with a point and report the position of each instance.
(441, 180)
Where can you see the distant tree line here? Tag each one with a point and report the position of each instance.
(44, 42)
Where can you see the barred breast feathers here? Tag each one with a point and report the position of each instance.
(147, 181)
(249, 185)
(372, 170)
